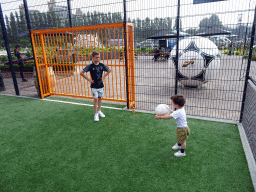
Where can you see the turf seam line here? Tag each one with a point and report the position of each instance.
(248, 153)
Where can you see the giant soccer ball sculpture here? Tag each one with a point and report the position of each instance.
(198, 60)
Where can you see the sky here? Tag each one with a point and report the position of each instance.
(191, 14)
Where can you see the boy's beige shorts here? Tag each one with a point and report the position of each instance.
(182, 134)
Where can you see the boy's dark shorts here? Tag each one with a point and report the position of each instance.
(182, 134)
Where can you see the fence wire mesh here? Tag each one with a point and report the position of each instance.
(212, 82)
(249, 114)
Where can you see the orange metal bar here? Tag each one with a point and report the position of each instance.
(128, 66)
(88, 85)
(114, 37)
(54, 62)
(112, 87)
(124, 63)
(89, 27)
(45, 62)
(61, 66)
(51, 53)
(106, 43)
(73, 48)
(120, 82)
(131, 45)
(40, 71)
(78, 60)
(36, 61)
(58, 66)
(94, 40)
(110, 59)
(68, 48)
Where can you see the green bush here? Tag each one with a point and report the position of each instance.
(253, 57)
(245, 56)
(27, 67)
(4, 59)
(28, 54)
(232, 53)
(238, 53)
(225, 52)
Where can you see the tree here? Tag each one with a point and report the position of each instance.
(169, 23)
(36, 19)
(13, 29)
(49, 18)
(40, 18)
(213, 21)
(23, 23)
(175, 26)
(191, 31)
(44, 17)
(18, 21)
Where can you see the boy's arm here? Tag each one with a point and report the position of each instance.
(104, 76)
(83, 75)
(163, 117)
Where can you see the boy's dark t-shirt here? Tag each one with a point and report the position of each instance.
(96, 72)
(18, 54)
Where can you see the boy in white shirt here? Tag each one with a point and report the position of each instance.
(182, 132)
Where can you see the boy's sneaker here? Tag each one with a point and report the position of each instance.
(96, 117)
(101, 114)
(179, 154)
(176, 147)
(24, 80)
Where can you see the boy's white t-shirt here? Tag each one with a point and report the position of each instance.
(180, 117)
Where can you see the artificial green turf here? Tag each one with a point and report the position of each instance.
(84, 102)
(50, 146)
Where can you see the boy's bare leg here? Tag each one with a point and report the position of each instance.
(183, 145)
(99, 103)
(95, 103)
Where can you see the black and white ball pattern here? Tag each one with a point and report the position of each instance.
(199, 59)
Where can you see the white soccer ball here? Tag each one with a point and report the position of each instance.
(163, 109)
(199, 59)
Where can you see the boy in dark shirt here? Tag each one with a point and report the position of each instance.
(20, 61)
(96, 70)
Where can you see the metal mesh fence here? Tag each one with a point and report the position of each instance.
(249, 114)
(211, 80)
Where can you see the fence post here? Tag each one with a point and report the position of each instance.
(177, 48)
(69, 14)
(29, 28)
(125, 55)
(6, 40)
(248, 66)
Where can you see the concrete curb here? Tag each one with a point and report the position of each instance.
(248, 153)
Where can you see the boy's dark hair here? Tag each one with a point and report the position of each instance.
(95, 53)
(178, 100)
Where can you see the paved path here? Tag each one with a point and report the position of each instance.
(219, 98)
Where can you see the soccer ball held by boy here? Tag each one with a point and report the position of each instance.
(182, 131)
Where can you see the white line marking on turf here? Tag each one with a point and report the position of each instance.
(73, 103)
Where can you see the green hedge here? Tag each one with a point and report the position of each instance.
(27, 67)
